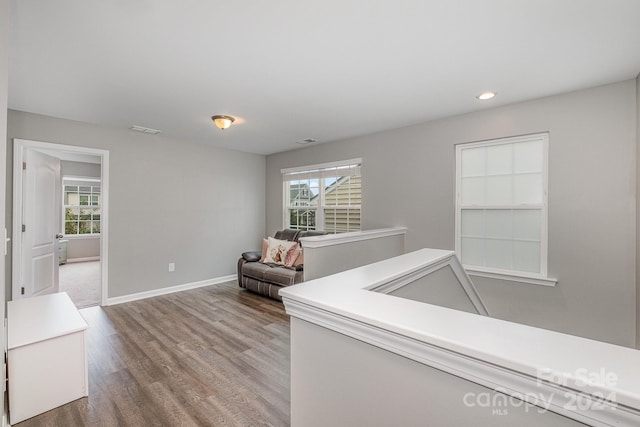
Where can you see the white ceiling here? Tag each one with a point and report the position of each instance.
(293, 69)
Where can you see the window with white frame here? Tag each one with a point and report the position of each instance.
(81, 206)
(323, 197)
(501, 205)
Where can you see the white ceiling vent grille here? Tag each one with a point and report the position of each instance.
(145, 130)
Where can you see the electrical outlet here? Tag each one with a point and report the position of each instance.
(172, 266)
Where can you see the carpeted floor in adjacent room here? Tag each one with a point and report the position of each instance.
(81, 280)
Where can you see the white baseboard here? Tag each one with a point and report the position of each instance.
(89, 258)
(170, 290)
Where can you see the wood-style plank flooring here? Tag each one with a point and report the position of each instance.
(213, 356)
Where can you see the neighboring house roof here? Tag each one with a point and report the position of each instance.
(299, 192)
(337, 189)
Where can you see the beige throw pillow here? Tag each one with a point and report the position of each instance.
(277, 250)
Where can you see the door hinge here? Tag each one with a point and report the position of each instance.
(24, 166)
(22, 290)
(24, 228)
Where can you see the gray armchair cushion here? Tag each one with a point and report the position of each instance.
(283, 276)
(287, 234)
(255, 270)
(272, 273)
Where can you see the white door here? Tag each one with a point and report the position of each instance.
(41, 223)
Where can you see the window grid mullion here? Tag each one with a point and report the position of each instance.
(320, 220)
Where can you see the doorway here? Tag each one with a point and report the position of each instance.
(78, 258)
(79, 246)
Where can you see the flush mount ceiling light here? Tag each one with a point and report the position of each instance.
(486, 95)
(222, 122)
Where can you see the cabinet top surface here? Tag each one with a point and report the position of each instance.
(36, 319)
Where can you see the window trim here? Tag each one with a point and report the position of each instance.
(320, 171)
(320, 166)
(87, 180)
(497, 273)
(532, 279)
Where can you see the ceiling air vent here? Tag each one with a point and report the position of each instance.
(307, 141)
(145, 130)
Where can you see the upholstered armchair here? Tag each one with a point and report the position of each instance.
(257, 274)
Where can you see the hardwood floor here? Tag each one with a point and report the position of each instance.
(213, 356)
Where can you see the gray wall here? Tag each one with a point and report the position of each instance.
(82, 169)
(4, 65)
(169, 201)
(340, 381)
(80, 248)
(637, 212)
(408, 180)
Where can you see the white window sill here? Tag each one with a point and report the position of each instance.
(81, 236)
(533, 279)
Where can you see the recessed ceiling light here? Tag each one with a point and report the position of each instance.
(307, 141)
(145, 130)
(486, 95)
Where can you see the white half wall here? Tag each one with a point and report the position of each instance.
(333, 253)
(331, 317)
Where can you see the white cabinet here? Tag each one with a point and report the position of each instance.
(62, 252)
(47, 355)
